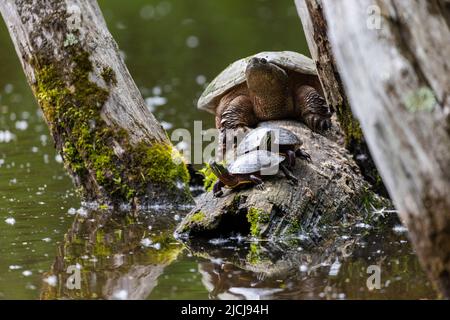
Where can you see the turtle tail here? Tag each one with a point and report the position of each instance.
(313, 108)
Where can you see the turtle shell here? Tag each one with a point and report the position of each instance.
(234, 74)
(253, 139)
(255, 161)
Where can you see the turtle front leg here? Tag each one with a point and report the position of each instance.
(303, 155)
(234, 117)
(313, 108)
(259, 184)
(288, 173)
(217, 188)
(291, 158)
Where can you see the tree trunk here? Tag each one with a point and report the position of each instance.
(112, 146)
(394, 60)
(330, 191)
(316, 31)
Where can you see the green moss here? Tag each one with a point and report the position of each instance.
(101, 248)
(161, 163)
(168, 251)
(209, 177)
(197, 217)
(109, 75)
(254, 254)
(294, 228)
(72, 104)
(256, 217)
(350, 126)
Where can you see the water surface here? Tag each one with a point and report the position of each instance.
(172, 48)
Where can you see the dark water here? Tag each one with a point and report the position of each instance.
(172, 49)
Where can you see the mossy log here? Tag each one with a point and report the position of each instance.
(330, 191)
(112, 146)
(397, 76)
(316, 31)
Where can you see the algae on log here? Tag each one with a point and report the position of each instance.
(330, 191)
(316, 32)
(113, 147)
(397, 74)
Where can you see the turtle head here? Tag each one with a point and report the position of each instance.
(222, 173)
(217, 168)
(264, 77)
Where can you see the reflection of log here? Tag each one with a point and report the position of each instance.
(316, 32)
(113, 260)
(111, 144)
(330, 190)
(397, 77)
(336, 269)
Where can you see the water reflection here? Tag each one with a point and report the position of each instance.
(119, 255)
(135, 257)
(172, 48)
(330, 271)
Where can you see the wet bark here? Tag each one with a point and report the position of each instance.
(111, 144)
(316, 31)
(330, 191)
(393, 59)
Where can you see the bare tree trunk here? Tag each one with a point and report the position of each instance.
(111, 144)
(393, 57)
(316, 31)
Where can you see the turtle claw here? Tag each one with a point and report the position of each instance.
(218, 194)
(325, 125)
(303, 155)
(261, 186)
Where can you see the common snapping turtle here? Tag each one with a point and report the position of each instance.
(280, 140)
(267, 86)
(248, 169)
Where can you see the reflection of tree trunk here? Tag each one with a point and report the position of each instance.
(111, 144)
(114, 263)
(316, 30)
(397, 79)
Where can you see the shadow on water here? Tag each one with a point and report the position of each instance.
(123, 256)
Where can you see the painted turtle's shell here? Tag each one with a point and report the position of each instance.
(255, 161)
(234, 74)
(253, 139)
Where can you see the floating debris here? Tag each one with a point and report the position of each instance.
(156, 101)
(6, 136)
(146, 242)
(399, 229)
(303, 268)
(51, 280)
(11, 221)
(334, 269)
(21, 125)
(15, 267)
(192, 42)
(121, 295)
(363, 225)
(27, 273)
